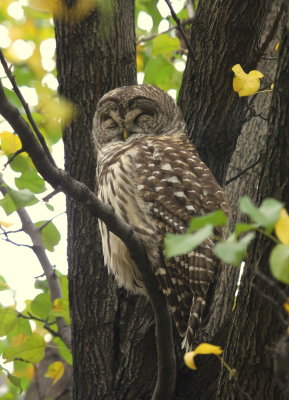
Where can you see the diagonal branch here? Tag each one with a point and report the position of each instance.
(180, 29)
(80, 192)
(38, 248)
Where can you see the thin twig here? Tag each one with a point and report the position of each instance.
(146, 39)
(180, 28)
(26, 107)
(13, 157)
(37, 246)
(50, 220)
(46, 325)
(243, 171)
(52, 194)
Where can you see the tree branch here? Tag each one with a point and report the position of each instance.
(147, 38)
(80, 192)
(180, 28)
(37, 246)
(26, 108)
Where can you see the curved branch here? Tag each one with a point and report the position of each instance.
(81, 193)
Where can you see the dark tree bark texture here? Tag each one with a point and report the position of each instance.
(113, 332)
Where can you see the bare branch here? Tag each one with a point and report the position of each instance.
(37, 246)
(180, 28)
(46, 325)
(146, 39)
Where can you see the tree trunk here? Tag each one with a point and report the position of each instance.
(113, 333)
(251, 345)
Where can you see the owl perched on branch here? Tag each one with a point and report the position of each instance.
(155, 181)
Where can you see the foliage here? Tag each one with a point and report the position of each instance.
(265, 219)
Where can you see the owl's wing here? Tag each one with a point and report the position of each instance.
(176, 185)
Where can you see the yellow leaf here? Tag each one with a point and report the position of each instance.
(10, 142)
(5, 224)
(203, 348)
(55, 109)
(286, 307)
(28, 372)
(18, 340)
(57, 305)
(139, 57)
(277, 46)
(246, 84)
(55, 371)
(58, 9)
(282, 227)
(35, 62)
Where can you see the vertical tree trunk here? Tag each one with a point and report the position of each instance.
(112, 331)
(251, 346)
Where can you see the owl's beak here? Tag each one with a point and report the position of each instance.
(125, 134)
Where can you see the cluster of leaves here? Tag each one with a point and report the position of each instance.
(26, 347)
(157, 58)
(23, 343)
(269, 217)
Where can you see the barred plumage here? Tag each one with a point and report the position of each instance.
(156, 182)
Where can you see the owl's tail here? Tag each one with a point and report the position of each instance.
(195, 318)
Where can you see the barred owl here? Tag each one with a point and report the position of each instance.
(154, 179)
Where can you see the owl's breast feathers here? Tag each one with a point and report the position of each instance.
(156, 184)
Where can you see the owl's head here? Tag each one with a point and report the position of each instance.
(134, 111)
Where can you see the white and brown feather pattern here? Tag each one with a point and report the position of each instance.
(167, 184)
(156, 182)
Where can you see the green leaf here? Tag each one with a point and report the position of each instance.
(243, 228)
(21, 163)
(12, 378)
(61, 309)
(215, 218)
(233, 252)
(266, 215)
(32, 350)
(176, 245)
(22, 326)
(49, 206)
(41, 305)
(15, 381)
(8, 204)
(64, 284)
(30, 180)
(15, 199)
(160, 72)
(165, 44)
(63, 350)
(279, 263)
(8, 318)
(49, 234)
(3, 284)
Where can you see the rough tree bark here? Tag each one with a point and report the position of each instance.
(251, 346)
(113, 333)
